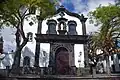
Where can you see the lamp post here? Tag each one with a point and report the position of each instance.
(2, 56)
(79, 62)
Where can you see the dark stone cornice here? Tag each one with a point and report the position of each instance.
(48, 38)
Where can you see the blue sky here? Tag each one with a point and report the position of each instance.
(70, 6)
(80, 6)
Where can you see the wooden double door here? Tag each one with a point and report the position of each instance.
(62, 61)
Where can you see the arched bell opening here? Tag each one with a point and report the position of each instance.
(62, 61)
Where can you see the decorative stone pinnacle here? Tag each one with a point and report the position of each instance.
(61, 6)
(83, 19)
(1, 39)
(82, 16)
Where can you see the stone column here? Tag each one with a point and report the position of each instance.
(37, 51)
(83, 20)
(52, 59)
(108, 71)
(39, 25)
(1, 45)
(72, 55)
(116, 62)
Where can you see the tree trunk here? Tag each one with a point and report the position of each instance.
(17, 56)
(108, 65)
(19, 46)
(94, 71)
(17, 34)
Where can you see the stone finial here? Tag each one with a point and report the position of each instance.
(61, 6)
(1, 39)
(1, 45)
(82, 18)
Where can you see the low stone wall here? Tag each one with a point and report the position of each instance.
(60, 77)
(4, 72)
(117, 78)
(43, 74)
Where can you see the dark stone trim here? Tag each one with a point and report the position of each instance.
(62, 9)
(47, 38)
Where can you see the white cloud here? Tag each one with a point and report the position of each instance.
(85, 8)
(8, 46)
(8, 33)
(9, 39)
(79, 6)
(92, 4)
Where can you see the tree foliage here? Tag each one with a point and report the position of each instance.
(14, 12)
(108, 18)
(11, 11)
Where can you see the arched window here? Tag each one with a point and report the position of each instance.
(26, 61)
(30, 36)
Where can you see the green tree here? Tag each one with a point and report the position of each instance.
(14, 12)
(108, 18)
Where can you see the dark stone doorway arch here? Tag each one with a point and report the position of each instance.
(26, 65)
(62, 61)
(26, 61)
